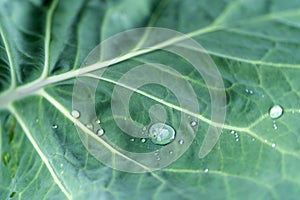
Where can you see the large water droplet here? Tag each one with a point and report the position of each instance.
(276, 112)
(161, 134)
(75, 113)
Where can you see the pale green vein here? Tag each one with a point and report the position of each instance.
(227, 11)
(223, 174)
(255, 62)
(31, 88)
(48, 38)
(40, 152)
(269, 16)
(246, 130)
(1, 135)
(10, 58)
(162, 101)
(245, 60)
(37, 174)
(67, 114)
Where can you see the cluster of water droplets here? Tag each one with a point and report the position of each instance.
(99, 132)
(248, 91)
(235, 134)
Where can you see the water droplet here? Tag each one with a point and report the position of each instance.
(54, 126)
(170, 152)
(144, 128)
(205, 170)
(131, 139)
(97, 121)
(75, 113)
(266, 141)
(273, 145)
(237, 139)
(143, 140)
(89, 126)
(193, 123)
(158, 158)
(275, 126)
(253, 139)
(232, 132)
(100, 132)
(249, 91)
(181, 141)
(276, 112)
(161, 134)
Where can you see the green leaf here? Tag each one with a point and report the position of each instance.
(254, 44)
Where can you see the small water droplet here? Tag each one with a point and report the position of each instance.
(131, 139)
(143, 140)
(161, 134)
(193, 123)
(276, 112)
(100, 132)
(170, 152)
(75, 113)
(237, 139)
(97, 121)
(89, 126)
(275, 126)
(273, 145)
(157, 158)
(253, 139)
(144, 128)
(249, 91)
(266, 141)
(232, 132)
(205, 170)
(181, 141)
(54, 126)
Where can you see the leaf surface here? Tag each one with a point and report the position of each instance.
(254, 44)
